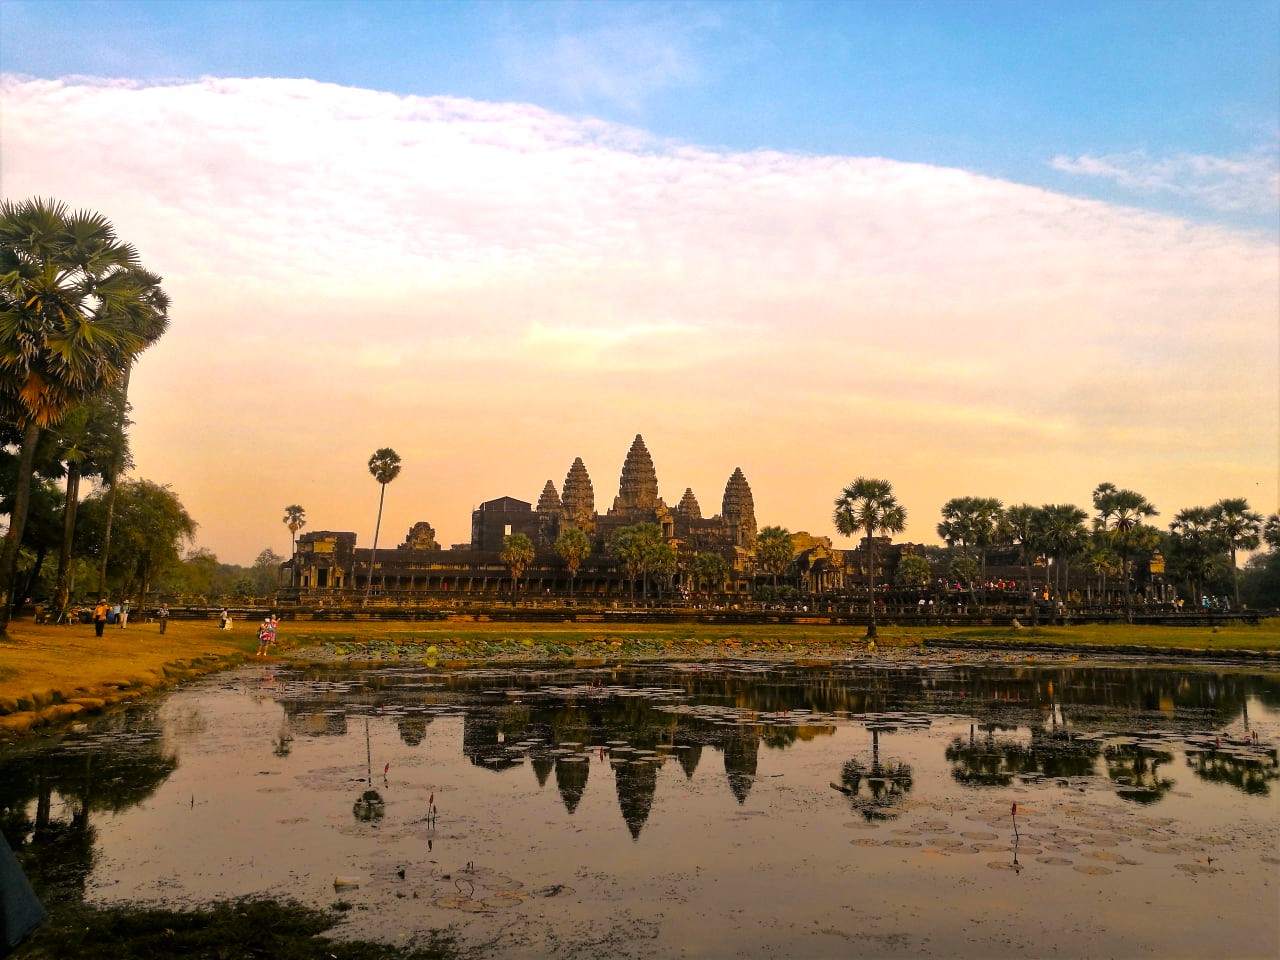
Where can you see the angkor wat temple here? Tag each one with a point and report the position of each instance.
(329, 563)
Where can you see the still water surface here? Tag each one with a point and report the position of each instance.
(710, 810)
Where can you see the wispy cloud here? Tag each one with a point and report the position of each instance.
(637, 51)
(1249, 182)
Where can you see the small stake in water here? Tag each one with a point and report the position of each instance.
(1013, 812)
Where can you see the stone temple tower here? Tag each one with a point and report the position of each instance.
(549, 501)
(688, 508)
(739, 510)
(578, 499)
(638, 487)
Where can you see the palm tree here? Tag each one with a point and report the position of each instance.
(1063, 536)
(295, 518)
(573, 546)
(76, 308)
(517, 553)
(774, 551)
(1120, 516)
(1241, 528)
(1197, 547)
(385, 467)
(973, 522)
(868, 506)
(1021, 525)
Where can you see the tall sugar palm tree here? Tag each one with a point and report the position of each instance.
(1197, 547)
(1021, 525)
(1120, 518)
(1241, 528)
(295, 518)
(1062, 533)
(76, 309)
(972, 522)
(385, 467)
(517, 553)
(868, 506)
(573, 546)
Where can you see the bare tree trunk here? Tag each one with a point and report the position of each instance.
(111, 488)
(17, 521)
(62, 593)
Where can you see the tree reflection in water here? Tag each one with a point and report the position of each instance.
(1250, 771)
(992, 761)
(122, 765)
(875, 789)
(1136, 771)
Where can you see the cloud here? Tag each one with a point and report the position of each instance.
(494, 289)
(637, 51)
(1249, 182)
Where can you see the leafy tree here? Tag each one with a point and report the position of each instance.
(517, 554)
(774, 551)
(1261, 587)
(868, 506)
(1240, 528)
(41, 537)
(197, 576)
(1119, 519)
(913, 572)
(964, 569)
(266, 572)
(385, 467)
(573, 546)
(709, 569)
(76, 308)
(151, 527)
(91, 444)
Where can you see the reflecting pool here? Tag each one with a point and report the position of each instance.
(738, 809)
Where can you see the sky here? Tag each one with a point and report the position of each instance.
(976, 249)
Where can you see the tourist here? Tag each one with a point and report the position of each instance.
(163, 616)
(124, 614)
(264, 637)
(226, 619)
(100, 617)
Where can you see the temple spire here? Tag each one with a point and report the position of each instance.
(638, 486)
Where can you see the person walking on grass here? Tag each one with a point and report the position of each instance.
(100, 616)
(163, 616)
